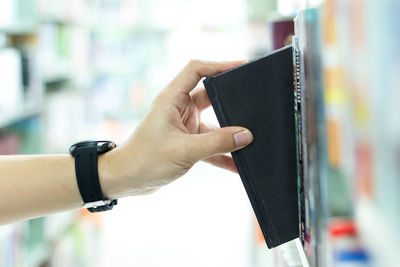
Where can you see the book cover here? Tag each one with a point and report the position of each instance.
(260, 96)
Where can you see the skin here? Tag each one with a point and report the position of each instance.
(167, 143)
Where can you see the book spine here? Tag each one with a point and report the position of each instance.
(214, 99)
(298, 127)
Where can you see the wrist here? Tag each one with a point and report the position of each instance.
(108, 175)
(119, 171)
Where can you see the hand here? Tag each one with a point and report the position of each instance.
(171, 138)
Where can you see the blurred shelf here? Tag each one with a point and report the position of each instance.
(19, 29)
(112, 72)
(60, 226)
(100, 26)
(21, 114)
(61, 72)
(302, 254)
(126, 29)
(290, 254)
(56, 78)
(55, 19)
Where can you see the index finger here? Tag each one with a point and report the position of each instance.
(188, 78)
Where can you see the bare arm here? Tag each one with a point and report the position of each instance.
(36, 185)
(168, 142)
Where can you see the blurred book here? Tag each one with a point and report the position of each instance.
(11, 87)
(282, 30)
(9, 144)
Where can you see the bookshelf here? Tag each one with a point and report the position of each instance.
(351, 133)
(48, 45)
(352, 195)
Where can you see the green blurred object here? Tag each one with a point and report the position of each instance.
(64, 40)
(35, 233)
(339, 190)
(259, 10)
(30, 132)
(21, 19)
(27, 12)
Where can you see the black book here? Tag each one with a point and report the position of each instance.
(260, 96)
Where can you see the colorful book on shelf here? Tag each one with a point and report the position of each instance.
(311, 122)
(260, 96)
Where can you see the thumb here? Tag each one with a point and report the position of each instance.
(220, 141)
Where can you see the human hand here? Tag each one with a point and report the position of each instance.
(171, 138)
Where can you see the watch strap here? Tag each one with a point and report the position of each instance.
(87, 173)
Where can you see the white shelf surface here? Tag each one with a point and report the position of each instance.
(19, 29)
(302, 255)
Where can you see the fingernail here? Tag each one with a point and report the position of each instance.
(242, 138)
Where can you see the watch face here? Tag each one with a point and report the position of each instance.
(81, 144)
(102, 146)
(85, 143)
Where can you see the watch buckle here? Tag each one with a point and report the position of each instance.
(96, 204)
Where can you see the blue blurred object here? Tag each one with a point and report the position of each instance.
(352, 256)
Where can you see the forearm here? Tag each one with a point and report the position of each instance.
(37, 185)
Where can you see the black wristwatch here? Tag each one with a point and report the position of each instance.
(87, 176)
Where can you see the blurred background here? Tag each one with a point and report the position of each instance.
(74, 70)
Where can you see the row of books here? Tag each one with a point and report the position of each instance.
(355, 160)
(349, 187)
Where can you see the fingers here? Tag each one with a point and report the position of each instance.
(219, 141)
(200, 98)
(222, 161)
(206, 127)
(188, 78)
